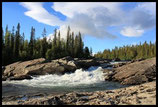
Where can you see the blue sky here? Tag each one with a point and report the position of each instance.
(103, 25)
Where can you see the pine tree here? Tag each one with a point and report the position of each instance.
(31, 43)
(26, 50)
(80, 48)
(91, 53)
(2, 40)
(49, 54)
(72, 44)
(7, 38)
(68, 41)
(150, 50)
(3, 49)
(59, 45)
(86, 52)
(54, 45)
(17, 43)
(21, 43)
(144, 50)
(76, 45)
(12, 42)
(43, 44)
(7, 46)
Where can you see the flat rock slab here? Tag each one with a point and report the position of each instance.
(26, 69)
(136, 72)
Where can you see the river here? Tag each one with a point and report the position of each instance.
(81, 80)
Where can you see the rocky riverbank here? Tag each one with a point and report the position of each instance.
(141, 73)
(134, 73)
(26, 69)
(144, 94)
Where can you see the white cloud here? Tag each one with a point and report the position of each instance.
(89, 18)
(72, 8)
(132, 31)
(85, 25)
(148, 7)
(37, 12)
(94, 18)
(139, 20)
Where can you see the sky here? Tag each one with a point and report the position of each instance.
(103, 25)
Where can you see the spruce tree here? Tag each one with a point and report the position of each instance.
(43, 44)
(12, 42)
(7, 46)
(2, 40)
(3, 49)
(80, 48)
(76, 45)
(91, 53)
(59, 45)
(54, 45)
(31, 43)
(86, 52)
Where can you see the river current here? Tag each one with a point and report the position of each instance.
(81, 80)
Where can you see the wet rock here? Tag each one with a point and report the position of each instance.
(53, 68)
(87, 63)
(41, 66)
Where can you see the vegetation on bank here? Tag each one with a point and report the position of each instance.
(130, 52)
(16, 48)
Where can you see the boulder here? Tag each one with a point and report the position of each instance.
(86, 63)
(118, 65)
(136, 72)
(102, 61)
(68, 58)
(35, 70)
(23, 70)
(72, 63)
(68, 63)
(53, 68)
(64, 60)
(19, 70)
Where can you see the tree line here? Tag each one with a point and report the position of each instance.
(16, 48)
(130, 52)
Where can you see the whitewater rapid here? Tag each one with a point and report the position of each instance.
(81, 80)
(79, 77)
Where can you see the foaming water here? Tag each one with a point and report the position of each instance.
(88, 80)
(79, 77)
